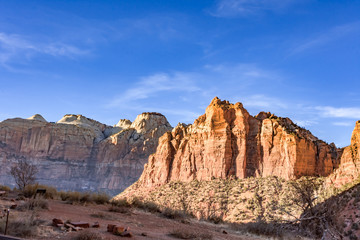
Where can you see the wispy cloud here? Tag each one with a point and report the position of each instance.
(264, 102)
(194, 89)
(14, 47)
(202, 82)
(328, 111)
(343, 124)
(247, 73)
(305, 123)
(154, 84)
(243, 8)
(335, 33)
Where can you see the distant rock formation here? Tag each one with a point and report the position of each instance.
(349, 168)
(78, 153)
(228, 142)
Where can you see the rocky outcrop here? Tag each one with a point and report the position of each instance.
(227, 142)
(349, 168)
(78, 153)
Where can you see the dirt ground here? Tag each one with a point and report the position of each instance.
(140, 223)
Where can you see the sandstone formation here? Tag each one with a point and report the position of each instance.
(349, 168)
(78, 153)
(227, 142)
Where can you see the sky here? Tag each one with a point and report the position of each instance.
(110, 60)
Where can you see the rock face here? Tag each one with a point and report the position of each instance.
(228, 142)
(78, 153)
(349, 168)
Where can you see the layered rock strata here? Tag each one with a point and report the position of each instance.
(228, 142)
(78, 153)
(349, 168)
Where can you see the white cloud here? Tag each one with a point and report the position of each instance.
(328, 111)
(305, 123)
(14, 47)
(189, 93)
(243, 8)
(246, 72)
(344, 124)
(151, 85)
(263, 102)
(333, 34)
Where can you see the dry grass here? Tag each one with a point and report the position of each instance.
(124, 210)
(88, 235)
(30, 191)
(34, 204)
(173, 214)
(100, 198)
(26, 226)
(84, 197)
(148, 206)
(121, 203)
(4, 188)
(261, 228)
(102, 215)
(188, 234)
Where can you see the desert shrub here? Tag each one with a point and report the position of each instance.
(100, 198)
(4, 188)
(84, 197)
(24, 227)
(102, 215)
(23, 173)
(172, 213)
(145, 205)
(121, 203)
(63, 195)
(137, 203)
(71, 197)
(151, 207)
(30, 191)
(355, 226)
(88, 235)
(120, 209)
(188, 234)
(260, 228)
(215, 219)
(34, 204)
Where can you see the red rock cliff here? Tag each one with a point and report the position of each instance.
(349, 168)
(228, 142)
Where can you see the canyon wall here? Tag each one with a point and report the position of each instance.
(227, 142)
(78, 153)
(349, 168)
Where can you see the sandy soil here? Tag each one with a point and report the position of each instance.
(140, 222)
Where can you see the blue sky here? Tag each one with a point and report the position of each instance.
(110, 60)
